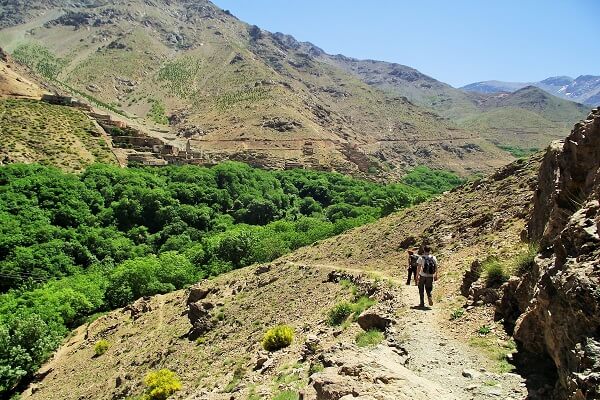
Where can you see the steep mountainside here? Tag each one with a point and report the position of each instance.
(554, 306)
(188, 70)
(210, 334)
(529, 118)
(584, 89)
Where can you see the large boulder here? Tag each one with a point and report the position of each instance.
(375, 318)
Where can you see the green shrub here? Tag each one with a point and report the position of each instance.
(369, 338)
(161, 384)
(361, 304)
(315, 368)
(339, 313)
(101, 347)
(278, 337)
(457, 313)
(524, 261)
(495, 272)
(287, 395)
(484, 330)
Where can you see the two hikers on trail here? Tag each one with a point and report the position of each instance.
(425, 272)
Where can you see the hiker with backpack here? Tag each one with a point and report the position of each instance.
(413, 264)
(427, 273)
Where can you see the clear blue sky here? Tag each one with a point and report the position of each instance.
(455, 41)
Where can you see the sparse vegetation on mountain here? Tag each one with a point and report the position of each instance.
(101, 347)
(278, 338)
(157, 112)
(39, 59)
(369, 338)
(60, 136)
(495, 272)
(519, 152)
(161, 385)
(287, 395)
(338, 314)
(524, 261)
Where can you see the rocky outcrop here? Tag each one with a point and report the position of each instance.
(199, 311)
(281, 124)
(568, 175)
(559, 299)
(377, 374)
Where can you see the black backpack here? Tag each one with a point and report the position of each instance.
(414, 260)
(429, 265)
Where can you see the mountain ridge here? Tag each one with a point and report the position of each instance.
(584, 89)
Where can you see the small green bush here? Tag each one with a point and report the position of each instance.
(101, 347)
(525, 260)
(495, 272)
(278, 337)
(370, 338)
(457, 313)
(339, 313)
(238, 375)
(484, 330)
(361, 304)
(287, 395)
(161, 384)
(315, 368)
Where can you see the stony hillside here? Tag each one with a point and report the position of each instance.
(584, 89)
(210, 335)
(188, 71)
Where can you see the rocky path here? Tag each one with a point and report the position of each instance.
(437, 365)
(459, 368)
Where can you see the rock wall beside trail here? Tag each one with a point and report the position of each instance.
(559, 299)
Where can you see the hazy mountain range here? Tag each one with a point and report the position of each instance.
(584, 89)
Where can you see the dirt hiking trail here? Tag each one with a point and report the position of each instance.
(450, 367)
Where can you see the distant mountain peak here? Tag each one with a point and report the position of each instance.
(584, 89)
